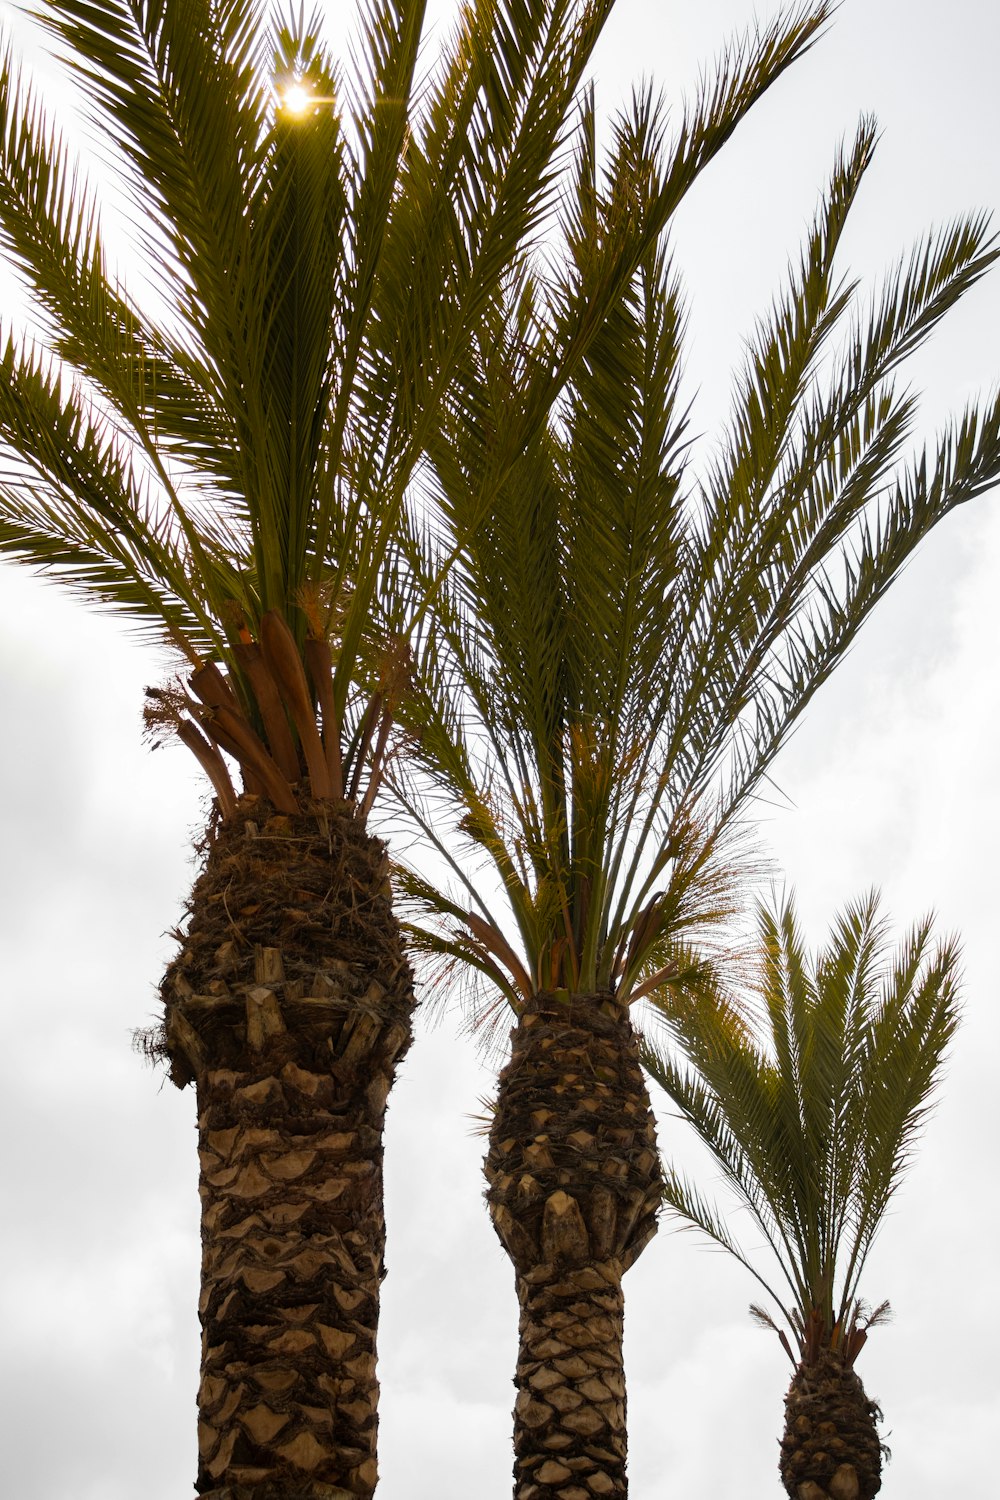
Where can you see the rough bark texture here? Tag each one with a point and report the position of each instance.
(830, 1449)
(289, 1005)
(574, 1189)
(570, 1410)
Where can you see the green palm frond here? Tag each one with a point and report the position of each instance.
(694, 1211)
(120, 546)
(814, 1124)
(794, 562)
(607, 252)
(179, 87)
(744, 1120)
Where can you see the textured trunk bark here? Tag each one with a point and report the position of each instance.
(830, 1449)
(289, 1005)
(569, 1416)
(574, 1188)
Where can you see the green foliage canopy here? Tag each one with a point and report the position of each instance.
(239, 440)
(815, 1123)
(629, 633)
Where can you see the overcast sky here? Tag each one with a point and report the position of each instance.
(892, 780)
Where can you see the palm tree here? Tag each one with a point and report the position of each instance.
(814, 1126)
(223, 455)
(620, 649)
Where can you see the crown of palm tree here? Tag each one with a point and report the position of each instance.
(625, 641)
(228, 470)
(814, 1124)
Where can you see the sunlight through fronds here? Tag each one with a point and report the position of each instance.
(298, 99)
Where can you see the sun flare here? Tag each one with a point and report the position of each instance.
(297, 99)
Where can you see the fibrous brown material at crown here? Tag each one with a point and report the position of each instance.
(290, 1005)
(831, 1445)
(300, 906)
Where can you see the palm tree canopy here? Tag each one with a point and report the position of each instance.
(235, 443)
(814, 1123)
(627, 638)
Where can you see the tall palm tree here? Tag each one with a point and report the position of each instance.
(621, 647)
(813, 1125)
(223, 455)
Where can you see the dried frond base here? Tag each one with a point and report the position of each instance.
(830, 1449)
(298, 907)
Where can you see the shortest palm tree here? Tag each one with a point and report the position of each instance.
(814, 1131)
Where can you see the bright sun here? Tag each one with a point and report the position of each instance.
(297, 98)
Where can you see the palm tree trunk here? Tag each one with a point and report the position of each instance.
(289, 1005)
(830, 1449)
(569, 1417)
(574, 1188)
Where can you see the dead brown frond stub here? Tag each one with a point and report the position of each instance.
(151, 1043)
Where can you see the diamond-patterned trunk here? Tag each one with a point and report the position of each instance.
(574, 1188)
(289, 1005)
(830, 1449)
